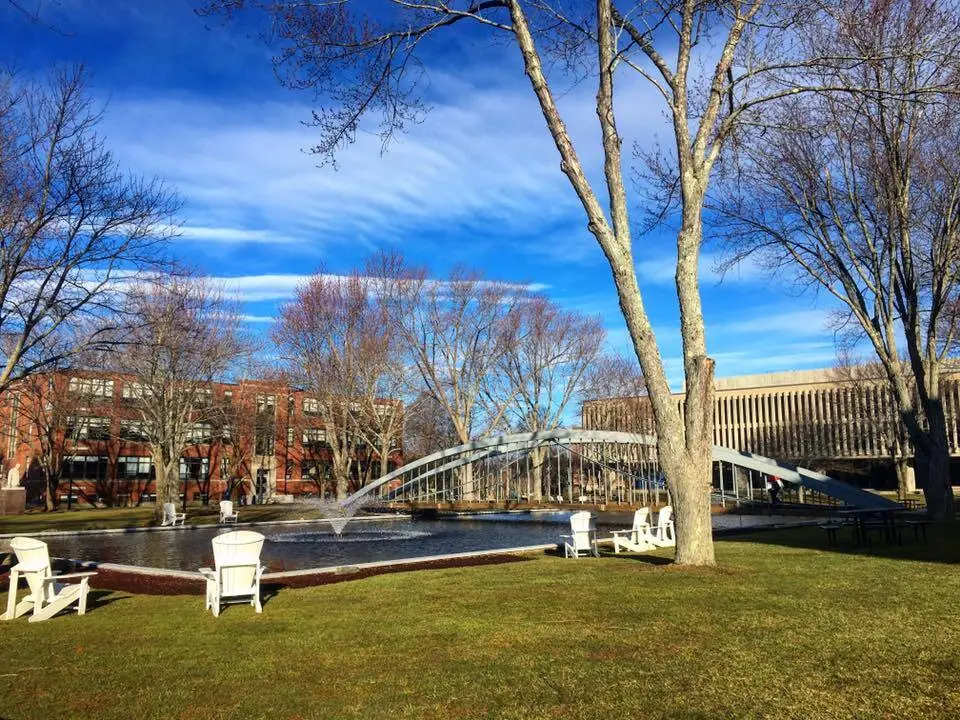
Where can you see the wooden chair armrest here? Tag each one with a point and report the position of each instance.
(208, 573)
(642, 530)
(69, 576)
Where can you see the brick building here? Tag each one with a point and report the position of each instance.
(264, 439)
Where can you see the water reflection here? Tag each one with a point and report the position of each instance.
(295, 547)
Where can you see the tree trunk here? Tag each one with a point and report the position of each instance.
(691, 512)
(52, 482)
(906, 479)
(465, 480)
(166, 483)
(933, 469)
(536, 473)
(384, 459)
(342, 482)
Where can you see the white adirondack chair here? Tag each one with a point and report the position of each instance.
(47, 597)
(226, 512)
(636, 539)
(582, 538)
(171, 517)
(662, 534)
(237, 574)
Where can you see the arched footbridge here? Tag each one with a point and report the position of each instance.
(585, 465)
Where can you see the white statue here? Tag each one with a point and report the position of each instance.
(13, 476)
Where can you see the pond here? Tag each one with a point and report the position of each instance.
(314, 545)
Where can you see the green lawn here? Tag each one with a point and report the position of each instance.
(783, 628)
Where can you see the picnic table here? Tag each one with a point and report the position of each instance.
(866, 519)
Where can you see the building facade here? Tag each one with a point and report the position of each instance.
(251, 440)
(816, 418)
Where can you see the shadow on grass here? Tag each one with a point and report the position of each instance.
(268, 591)
(101, 598)
(652, 560)
(942, 544)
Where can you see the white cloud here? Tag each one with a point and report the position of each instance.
(660, 270)
(232, 235)
(793, 323)
(282, 286)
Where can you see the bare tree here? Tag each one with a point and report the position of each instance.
(707, 61)
(186, 336)
(614, 396)
(332, 341)
(427, 427)
(246, 428)
(74, 229)
(859, 191)
(545, 363)
(456, 333)
(862, 375)
(46, 409)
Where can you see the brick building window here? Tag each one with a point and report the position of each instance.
(314, 437)
(130, 467)
(88, 428)
(199, 433)
(197, 469)
(135, 430)
(263, 443)
(84, 467)
(91, 387)
(135, 391)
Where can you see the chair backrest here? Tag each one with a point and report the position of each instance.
(169, 512)
(664, 517)
(581, 524)
(237, 556)
(641, 518)
(226, 507)
(33, 557)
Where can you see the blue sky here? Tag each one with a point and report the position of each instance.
(478, 183)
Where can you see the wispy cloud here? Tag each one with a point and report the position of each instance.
(660, 270)
(280, 287)
(793, 323)
(235, 235)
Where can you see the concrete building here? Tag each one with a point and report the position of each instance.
(254, 439)
(815, 418)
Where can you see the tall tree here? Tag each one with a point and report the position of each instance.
(614, 396)
(46, 410)
(427, 427)
(332, 343)
(858, 191)
(545, 363)
(704, 59)
(862, 376)
(185, 336)
(74, 228)
(456, 333)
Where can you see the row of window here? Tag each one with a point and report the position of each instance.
(129, 467)
(132, 390)
(98, 428)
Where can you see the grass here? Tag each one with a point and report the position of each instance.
(782, 628)
(109, 518)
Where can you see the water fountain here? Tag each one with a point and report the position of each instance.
(334, 512)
